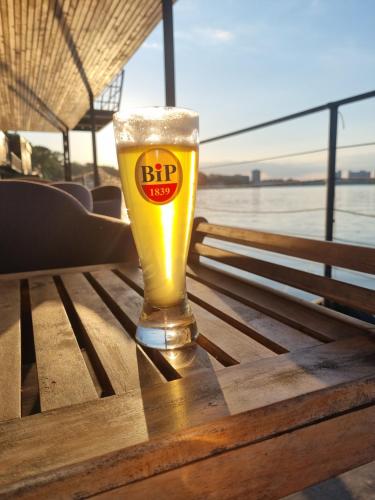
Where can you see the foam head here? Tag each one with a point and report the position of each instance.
(156, 125)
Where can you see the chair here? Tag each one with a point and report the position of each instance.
(80, 192)
(107, 201)
(43, 227)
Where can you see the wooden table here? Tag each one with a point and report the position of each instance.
(278, 394)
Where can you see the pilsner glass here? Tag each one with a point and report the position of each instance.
(157, 149)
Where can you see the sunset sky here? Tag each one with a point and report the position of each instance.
(241, 62)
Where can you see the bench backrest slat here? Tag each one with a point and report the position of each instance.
(326, 252)
(344, 293)
(335, 254)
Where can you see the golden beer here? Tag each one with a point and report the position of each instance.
(158, 161)
(161, 231)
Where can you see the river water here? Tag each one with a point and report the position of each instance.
(297, 211)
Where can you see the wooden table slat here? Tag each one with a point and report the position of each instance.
(185, 420)
(57, 271)
(228, 338)
(60, 363)
(246, 414)
(125, 363)
(218, 332)
(302, 457)
(307, 317)
(10, 350)
(130, 303)
(252, 321)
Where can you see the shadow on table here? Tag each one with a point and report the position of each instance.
(184, 401)
(333, 489)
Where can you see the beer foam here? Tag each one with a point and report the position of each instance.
(156, 125)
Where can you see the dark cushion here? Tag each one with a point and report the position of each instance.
(107, 201)
(43, 227)
(80, 192)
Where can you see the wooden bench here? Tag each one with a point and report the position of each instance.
(277, 395)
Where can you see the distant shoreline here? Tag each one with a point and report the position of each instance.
(291, 183)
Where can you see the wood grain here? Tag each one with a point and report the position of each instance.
(10, 350)
(218, 332)
(125, 363)
(171, 425)
(302, 457)
(57, 271)
(129, 305)
(327, 252)
(254, 323)
(316, 320)
(63, 376)
(52, 51)
(343, 293)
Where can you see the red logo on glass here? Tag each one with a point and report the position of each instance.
(158, 175)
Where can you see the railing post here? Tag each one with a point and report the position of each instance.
(331, 179)
(67, 166)
(170, 93)
(93, 138)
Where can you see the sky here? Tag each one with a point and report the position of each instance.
(242, 62)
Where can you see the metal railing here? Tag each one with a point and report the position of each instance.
(110, 98)
(333, 108)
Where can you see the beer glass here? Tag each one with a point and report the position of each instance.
(157, 149)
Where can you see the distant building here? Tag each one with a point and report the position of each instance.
(360, 174)
(20, 153)
(338, 175)
(15, 155)
(239, 179)
(4, 149)
(256, 177)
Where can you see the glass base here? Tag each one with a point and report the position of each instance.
(166, 328)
